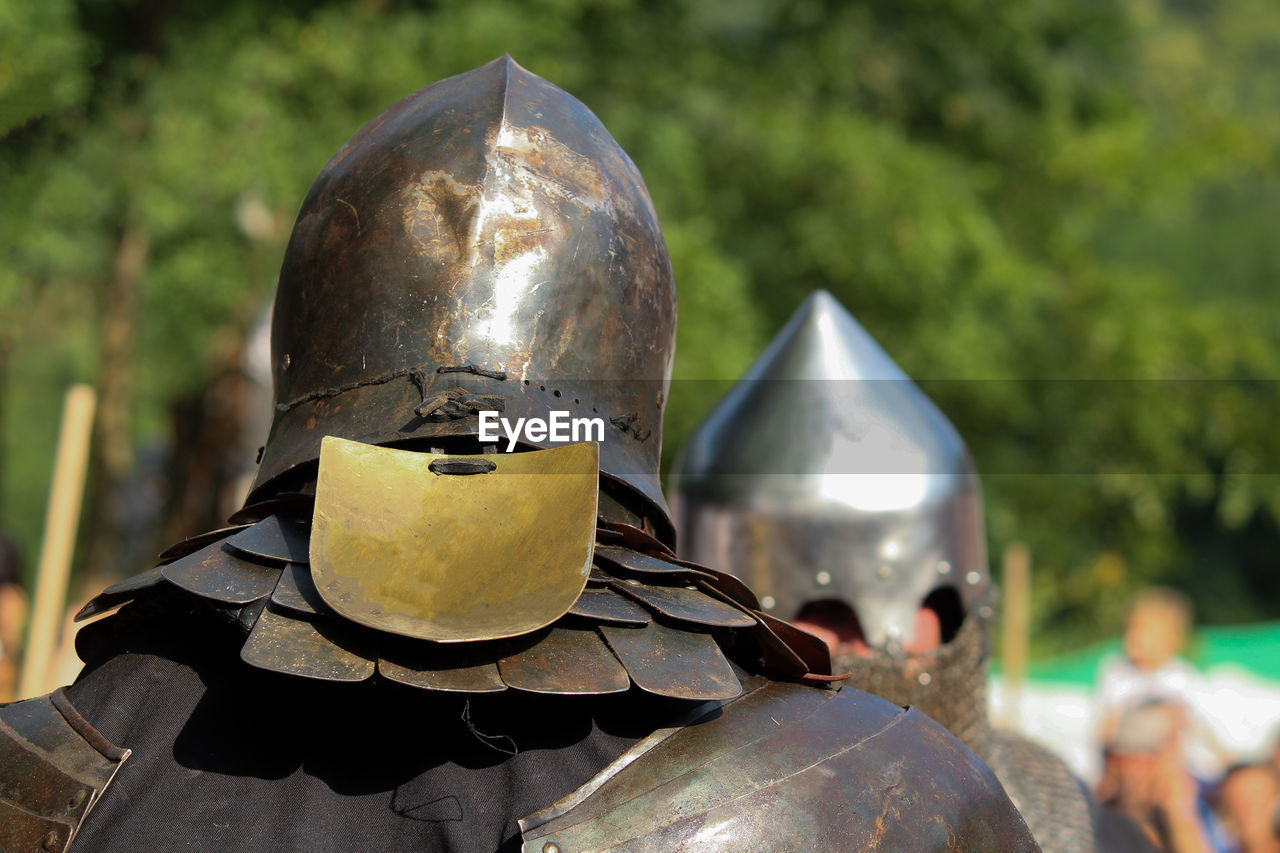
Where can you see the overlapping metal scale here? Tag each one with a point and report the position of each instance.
(121, 593)
(645, 620)
(195, 543)
(220, 573)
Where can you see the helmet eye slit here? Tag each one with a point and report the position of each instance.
(945, 602)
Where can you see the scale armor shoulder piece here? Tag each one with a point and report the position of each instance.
(54, 767)
(789, 767)
(645, 618)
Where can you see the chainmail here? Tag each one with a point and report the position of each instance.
(950, 685)
(1052, 800)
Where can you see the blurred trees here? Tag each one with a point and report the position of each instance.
(1019, 200)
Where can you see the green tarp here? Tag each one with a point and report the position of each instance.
(1255, 647)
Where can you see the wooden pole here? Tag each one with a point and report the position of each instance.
(1017, 627)
(61, 520)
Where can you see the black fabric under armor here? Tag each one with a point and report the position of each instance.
(226, 757)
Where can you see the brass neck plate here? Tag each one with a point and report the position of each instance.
(402, 544)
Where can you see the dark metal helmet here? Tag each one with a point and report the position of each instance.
(827, 474)
(484, 244)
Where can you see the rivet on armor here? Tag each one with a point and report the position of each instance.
(985, 611)
(286, 361)
(944, 568)
(551, 847)
(823, 578)
(77, 799)
(50, 841)
(884, 572)
(925, 678)
(768, 602)
(972, 578)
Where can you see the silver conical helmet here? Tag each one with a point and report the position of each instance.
(827, 474)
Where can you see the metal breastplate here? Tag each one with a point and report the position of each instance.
(788, 767)
(54, 767)
(950, 685)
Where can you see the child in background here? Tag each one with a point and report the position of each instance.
(1152, 672)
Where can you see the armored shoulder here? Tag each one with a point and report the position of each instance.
(1053, 801)
(53, 768)
(789, 767)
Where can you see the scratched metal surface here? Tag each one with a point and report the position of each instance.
(220, 574)
(54, 767)
(788, 767)
(489, 223)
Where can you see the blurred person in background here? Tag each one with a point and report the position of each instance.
(1151, 670)
(1248, 802)
(1145, 779)
(13, 616)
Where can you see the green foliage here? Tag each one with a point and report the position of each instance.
(1017, 199)
(44, 60)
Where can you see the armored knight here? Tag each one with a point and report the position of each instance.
(410, 638)
(829, 482)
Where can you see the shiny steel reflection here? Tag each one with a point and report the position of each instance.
(483, 244)
(826, 473)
